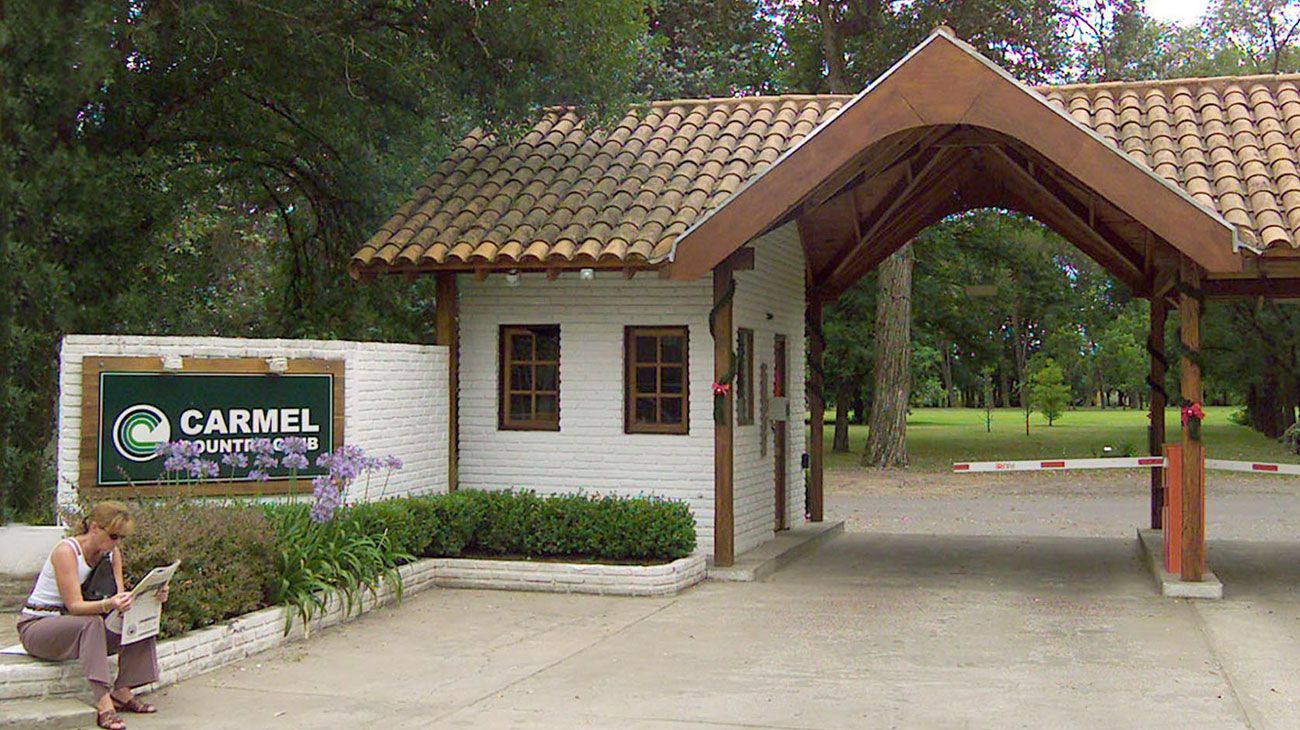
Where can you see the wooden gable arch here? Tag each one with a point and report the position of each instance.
(947, 130)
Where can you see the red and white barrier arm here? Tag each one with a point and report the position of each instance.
(1061, 464)
(1252, 467)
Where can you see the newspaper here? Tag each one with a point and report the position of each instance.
(144, 617)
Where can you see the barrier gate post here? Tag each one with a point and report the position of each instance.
(1173, 508)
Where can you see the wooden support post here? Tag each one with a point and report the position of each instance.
(1193, 476)
(724, 537)
(446, 317)
(816, 405)
(1156, 382)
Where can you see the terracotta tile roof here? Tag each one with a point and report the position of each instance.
(563, 194)
(1232, 143)
(566, 195)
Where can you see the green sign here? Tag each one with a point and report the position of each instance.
(221, 413)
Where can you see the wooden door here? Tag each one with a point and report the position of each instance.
(779, 427)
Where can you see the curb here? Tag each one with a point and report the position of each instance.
(769, 557)
(1152, 544)
(202, 650)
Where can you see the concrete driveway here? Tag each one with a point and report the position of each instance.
(872, 631)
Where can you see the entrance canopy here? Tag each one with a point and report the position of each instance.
(947, 131)
(1138, 175)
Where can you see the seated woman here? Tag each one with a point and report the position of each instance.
(58, 624)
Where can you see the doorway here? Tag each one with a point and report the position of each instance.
(779, 425)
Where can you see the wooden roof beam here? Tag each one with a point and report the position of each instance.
(1251, 288)
(1041, 202)
(891, 202)
(877, 162)
(929, 205)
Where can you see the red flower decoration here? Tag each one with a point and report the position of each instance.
(1193, 411)
(721, 388)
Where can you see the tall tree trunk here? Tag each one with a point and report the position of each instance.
(1021, 349)
(945, 372)
(1269, 414)
(887, 427)
(1004, 381)
(843, 398)
(832, 47)
(859, 411)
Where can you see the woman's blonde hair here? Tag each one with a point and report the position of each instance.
(110, 515)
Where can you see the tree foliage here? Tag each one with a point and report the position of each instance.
(1048, 392)
(201, 166)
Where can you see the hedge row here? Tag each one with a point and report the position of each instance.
(239, 556)
(522, 523)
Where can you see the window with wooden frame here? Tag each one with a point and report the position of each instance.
(530, 378)
(744, 380)
(655, 380)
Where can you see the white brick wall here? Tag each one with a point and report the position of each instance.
(590, 451)
(776, 287)
(395, 398)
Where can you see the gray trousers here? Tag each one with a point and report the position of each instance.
(60, 638)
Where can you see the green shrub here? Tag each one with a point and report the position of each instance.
(317, 560)
(569, 525)
(237, 557)
(402, 519)
(227, 554)
(1239, 417)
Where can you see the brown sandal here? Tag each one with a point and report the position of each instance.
(109, 720)
(134, 705)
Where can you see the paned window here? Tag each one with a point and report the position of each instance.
(530, 378)
(744, 381)
(655, 380)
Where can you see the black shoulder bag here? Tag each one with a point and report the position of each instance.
(101, 583)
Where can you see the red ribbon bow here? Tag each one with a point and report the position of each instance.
(721, 388)
(1193, 411)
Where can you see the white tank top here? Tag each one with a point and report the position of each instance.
(46, 590)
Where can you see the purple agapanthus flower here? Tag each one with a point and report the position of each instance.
(265, 461)
(295, 445)
(199, 468)
(294, 461)
(176, 463)
(345, 464)
(326, 496)
(235, 459)
(263, 446)
(258, 475)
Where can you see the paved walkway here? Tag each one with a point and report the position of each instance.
(874, 630)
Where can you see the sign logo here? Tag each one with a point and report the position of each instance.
(138, 430)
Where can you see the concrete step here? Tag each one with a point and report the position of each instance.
(48, 714)
(787, 546)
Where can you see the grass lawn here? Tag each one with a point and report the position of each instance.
(937, 437)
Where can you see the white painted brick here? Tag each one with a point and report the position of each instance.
(590, 452)
(776, 287)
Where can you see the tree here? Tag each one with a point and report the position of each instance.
(887, 426)
(1261, 33)
(1047, 390)
(277, 134)
(846, 362)
(704, 48)
(987, 375)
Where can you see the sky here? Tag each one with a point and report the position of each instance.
(1183, 12)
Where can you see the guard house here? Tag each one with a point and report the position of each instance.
(637, 309)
